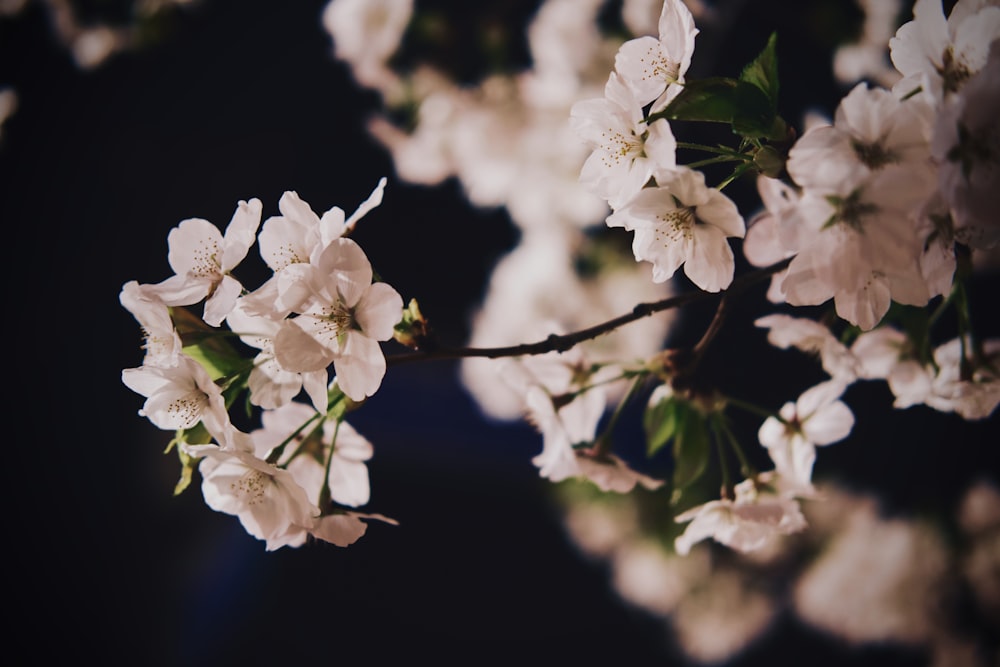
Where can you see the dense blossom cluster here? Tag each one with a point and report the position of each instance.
(883, 207)
(320, 307)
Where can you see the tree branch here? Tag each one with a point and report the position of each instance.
(561, 343)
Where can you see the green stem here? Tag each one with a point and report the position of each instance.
(723, 468)
(739, 171)
(277, 451)
(714, 160)
(324, 494)
(720, 150)
(752, 408)
(602, 445)
(748, 470)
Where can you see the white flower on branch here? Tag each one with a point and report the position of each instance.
(162, 343)
(683, 221)
(817, 418)
(936, 55)
(627, 151)
(365, 35)
(966, 146)
(202, 259)
(342, 316)
(268, 501)
(654, 68)
(178, 397)
(747, 523)
(271, 385)
(307, 453)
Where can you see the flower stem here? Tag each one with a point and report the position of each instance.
(602, 445)
(750, 407)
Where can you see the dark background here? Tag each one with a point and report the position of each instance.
(244, 99)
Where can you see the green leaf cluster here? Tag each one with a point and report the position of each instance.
(681, 422)
(748, 103)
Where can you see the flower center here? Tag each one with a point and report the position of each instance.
(657, 66)
(188, 407)
(850, 211)
(873, 156)
(206, 260)
(677, 225)
(953, 71)
(618, 146)
(250, 488)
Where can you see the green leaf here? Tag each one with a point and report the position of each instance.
(680, 421)
(691, 445)
(207, 345)
(752, 112)
(762, 73)
(709, 100)
(188, 464)
(660, 422)
(196, 435)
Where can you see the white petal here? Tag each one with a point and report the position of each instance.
(379, 310)
(360, 367)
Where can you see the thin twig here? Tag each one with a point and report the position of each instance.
(564, 342)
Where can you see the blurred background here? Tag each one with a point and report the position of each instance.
(178, 110)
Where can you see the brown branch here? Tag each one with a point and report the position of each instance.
(561, 343)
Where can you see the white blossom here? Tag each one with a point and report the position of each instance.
(271, 385)
(627, 151)
(966, 145)
(180, 396)
(365, 35)
(202, 259)
(817, 418)
(811, 337)
(342, 316)
(267, 500)
(683, 221)
(936, 55)
(746, 523)
(161, 340)
(654, 67)
(307, 453)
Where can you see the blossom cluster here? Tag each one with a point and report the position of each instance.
(296, 475)
(883, 209)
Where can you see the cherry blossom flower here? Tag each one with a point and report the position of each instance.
(868, 57)
(955, 382)
(271, 385)
(565, 399)
(307, 453)
(817, 418)
(879, 351)
(683, 222)
(747, 523)
(298, 235)
(342, 317)
(365, 35)
(767, 241)
(627, 151)
(178, 397)
(966, 145)
(162, 343)
(288, 242)
(937, 56)
(860, 247)
(811, 337)
(267, 500)
(652, 67)
(872, 129)
(202, 258)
